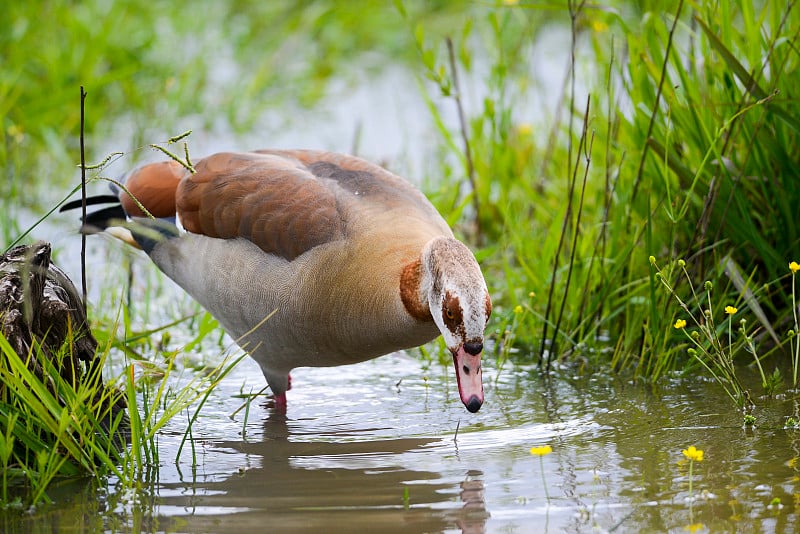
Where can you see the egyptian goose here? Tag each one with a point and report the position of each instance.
(310, 258)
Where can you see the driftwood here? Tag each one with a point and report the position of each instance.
(42, 316)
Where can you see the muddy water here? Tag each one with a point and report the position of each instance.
(386, 446)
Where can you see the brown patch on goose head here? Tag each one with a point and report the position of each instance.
(453, 315)
(410, 280)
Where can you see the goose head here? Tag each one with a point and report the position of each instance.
(454, 287)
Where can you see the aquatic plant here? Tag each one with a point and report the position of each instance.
(693, 454)
(794, 342)
(707, 347)
(672, 108)
(54, 427)
(541, 452)
(161, 401)
(694, 527)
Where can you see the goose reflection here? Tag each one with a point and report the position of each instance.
(318, 474)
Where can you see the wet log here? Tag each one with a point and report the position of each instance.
(43, 316)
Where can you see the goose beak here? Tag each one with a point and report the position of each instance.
(467, 359)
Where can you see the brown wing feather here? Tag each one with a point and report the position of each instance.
(362, 177)
(285, 201)
(267, 199)
(153, 186)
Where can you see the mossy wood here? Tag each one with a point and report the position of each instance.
(43, 316)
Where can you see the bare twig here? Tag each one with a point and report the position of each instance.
(83, 197)
(571, 178)
(465, 137)
(651, 125)
(587, 148)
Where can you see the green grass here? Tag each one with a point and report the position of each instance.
(677, 149)
(53, 428)
(675, 135)
(56, 425)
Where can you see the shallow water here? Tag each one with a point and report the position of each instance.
(386, 445)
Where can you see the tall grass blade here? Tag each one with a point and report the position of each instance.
(747, 80)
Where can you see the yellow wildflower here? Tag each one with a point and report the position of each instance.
(524, 129)
(517, 309)
(680, 323)
(693, 453)
(794, 267)
(599, 26)
(541, 451)
(730, 310)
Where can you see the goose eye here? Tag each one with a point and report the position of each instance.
(451, 312)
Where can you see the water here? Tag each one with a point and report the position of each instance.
(387, 446)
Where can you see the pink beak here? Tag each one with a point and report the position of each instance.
(468, 374)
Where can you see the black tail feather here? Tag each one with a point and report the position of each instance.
(99, 220)
(90, 201)
(147, 233)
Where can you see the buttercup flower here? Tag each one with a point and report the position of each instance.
(730, 310)
(794, 267)
(693, 453)
(680, 323)
(541, 451)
